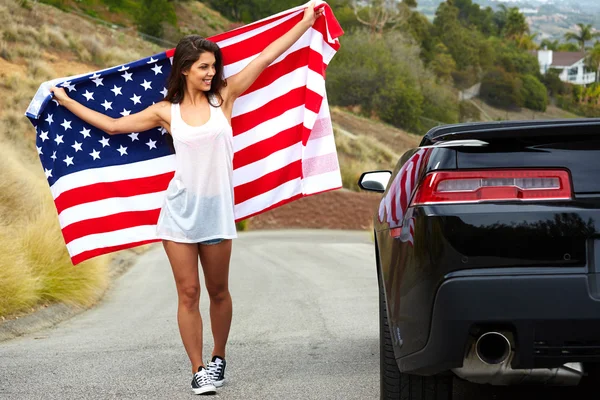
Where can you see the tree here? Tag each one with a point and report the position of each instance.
(585, 34)
(381, 14)
(549, 44)
(152, 15)
(516, 25)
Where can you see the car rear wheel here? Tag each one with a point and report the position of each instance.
(398, 386)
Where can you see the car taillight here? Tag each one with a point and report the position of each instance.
(493, 185)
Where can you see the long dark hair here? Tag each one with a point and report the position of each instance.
(187, 52)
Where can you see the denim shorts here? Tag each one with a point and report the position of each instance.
(212, 241)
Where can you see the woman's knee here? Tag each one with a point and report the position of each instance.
(189, 296)
(217, 293)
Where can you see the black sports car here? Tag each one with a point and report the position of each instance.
(487, 243)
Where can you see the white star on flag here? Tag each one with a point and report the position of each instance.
(48, 173)
(95, 76)
(39, 150)
(164, 92)
(86, 133)
(58, 139)
(68, 161)
(53, 156)
(146, 85)
(77, 147)
(134, 136)
(136, 99)
(107, 104)
(122, 150)
(157, 69)
(125, 112)
(49, 120)
(88, 95)
(104, 141)
(123, 68)
(95, 154)
(98, 82)
(69, 86)
(116, 90)
(151, 144)
(66, 124)
(127, 76)
(152, 60)
(44, 136)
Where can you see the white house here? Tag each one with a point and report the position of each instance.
(572, 65)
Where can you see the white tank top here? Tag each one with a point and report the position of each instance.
(199, 202)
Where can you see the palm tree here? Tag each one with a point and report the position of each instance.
(550, 44)
(585, 34)
(527, 41)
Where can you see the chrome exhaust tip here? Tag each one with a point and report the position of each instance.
(492, 348)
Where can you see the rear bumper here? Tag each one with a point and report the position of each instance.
(554, 318)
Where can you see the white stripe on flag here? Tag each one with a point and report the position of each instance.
(244, 36)
(321, 182)
(311, 38)
(115, 238)
(319, 147)
(274, 196)
(273, 162)
(106, 207)
(115, 173)
(269, 128)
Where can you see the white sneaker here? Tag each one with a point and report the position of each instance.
(202, 384)
(216, 371)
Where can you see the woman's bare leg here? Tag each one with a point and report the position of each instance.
(184, 262)
(215, 264)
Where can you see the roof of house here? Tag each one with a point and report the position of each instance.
(565, 58)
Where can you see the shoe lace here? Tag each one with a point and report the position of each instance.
(214, 369)
(202, 378)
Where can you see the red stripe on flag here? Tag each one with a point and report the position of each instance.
(247, 28)
(86, 255)
(268, 182)
(257, 43)
(107, 190)
(113, 222)
(292, 99)
(290, 63)
(282, 202)
(266, 147)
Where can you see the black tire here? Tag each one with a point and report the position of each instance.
(398, 386)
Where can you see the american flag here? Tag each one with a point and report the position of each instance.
(108, 190)
(393, 208)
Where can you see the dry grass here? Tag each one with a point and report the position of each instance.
(35, 267)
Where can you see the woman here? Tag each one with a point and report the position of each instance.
(197, 218)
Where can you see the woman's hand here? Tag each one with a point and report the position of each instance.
(60, 95)
(310, 15)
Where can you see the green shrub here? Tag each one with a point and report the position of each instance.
(501, 89)
(534, 93)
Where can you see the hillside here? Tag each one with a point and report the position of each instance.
(549, 19)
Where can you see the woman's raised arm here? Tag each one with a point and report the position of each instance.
(238, 83)
(146, 119)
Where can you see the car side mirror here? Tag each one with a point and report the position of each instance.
(374, 181)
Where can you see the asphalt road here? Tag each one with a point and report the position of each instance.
(305, 326)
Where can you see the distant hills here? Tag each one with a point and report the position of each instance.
(548, 18)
